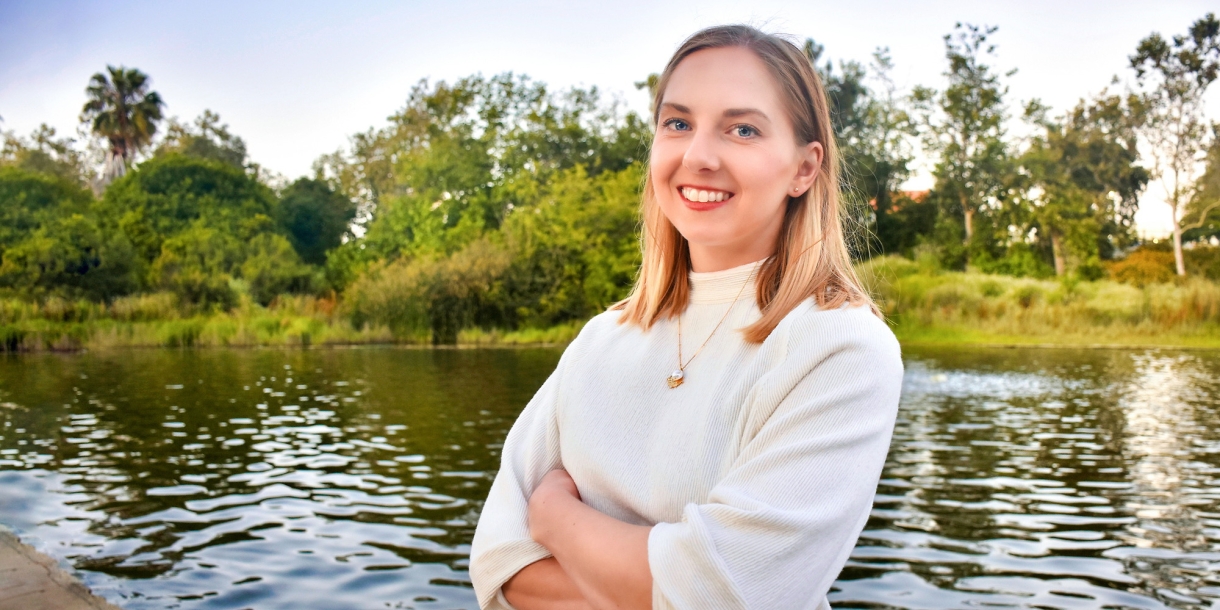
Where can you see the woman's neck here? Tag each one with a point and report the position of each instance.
(708, 260)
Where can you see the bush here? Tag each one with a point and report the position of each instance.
(272, 267)
(1203, 261)
(1144, 266)
(429, 296)
(192, 265)
(1027, 295)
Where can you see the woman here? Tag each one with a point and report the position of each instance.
(715, 440)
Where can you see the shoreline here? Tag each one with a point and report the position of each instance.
(1209, 344)
(34, 581)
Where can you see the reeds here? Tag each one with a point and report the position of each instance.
(940, 306)
(922, 304)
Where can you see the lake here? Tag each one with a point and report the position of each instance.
(353, 478)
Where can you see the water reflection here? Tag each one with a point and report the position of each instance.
(230, 479)
(1046, 479)
(353, 478)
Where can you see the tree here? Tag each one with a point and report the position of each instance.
(964, 125)
(29, 200)
(315, 217)
(50, 242)
(70, 257)
(122, 110)
(1085, 179)
(272, 268)
(45, 153)
(460, 156)
(872, 131)
(206, 139)
(170, 193)
(195, 265)
(1204, 208)
(1174, 76)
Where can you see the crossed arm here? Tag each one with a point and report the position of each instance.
(598, 561)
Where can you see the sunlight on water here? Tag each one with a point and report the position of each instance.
(1046, 479)
(353, 478)
(338, 479)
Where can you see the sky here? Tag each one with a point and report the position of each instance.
(296, 79)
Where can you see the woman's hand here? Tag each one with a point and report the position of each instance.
(548, 503)
(606, 559)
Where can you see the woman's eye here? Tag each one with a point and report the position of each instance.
(677, 124)
(746, 131)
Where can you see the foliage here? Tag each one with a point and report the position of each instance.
(575, 250)
(272, 267)
(1175, 76)
(206, 139)
(1085, 181)
(71, 257)
(315, 217)
(964, 126)
(978, 307)
(122, 110)
(498, 209)
(194, 265)
(561, 257)
(1202, 217)
(1144, 266)
(872, 132)
(171, 193)
(428, 296)
(50, 243)
(29, 200)
(458, 157)
(44, 153)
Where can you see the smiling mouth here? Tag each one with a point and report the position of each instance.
(695, 195)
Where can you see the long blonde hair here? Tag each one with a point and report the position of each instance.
(811, 257)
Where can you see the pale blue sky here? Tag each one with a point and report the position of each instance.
(295, 79)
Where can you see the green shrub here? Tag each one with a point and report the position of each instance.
(1203, 261)
(272, 267)
(1144, 266)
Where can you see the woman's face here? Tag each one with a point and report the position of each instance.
(725, 157)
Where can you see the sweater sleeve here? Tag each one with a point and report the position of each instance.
(780, 525)
(502, 544)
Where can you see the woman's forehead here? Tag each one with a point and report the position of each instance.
(723, 78)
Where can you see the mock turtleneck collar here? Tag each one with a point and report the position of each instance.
(723, 286)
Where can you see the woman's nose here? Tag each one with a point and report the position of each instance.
(701, 153)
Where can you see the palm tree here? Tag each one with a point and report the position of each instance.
(122, 110)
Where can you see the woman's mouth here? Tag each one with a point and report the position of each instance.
(703, 199)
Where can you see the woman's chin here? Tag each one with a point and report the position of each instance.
(707, 238)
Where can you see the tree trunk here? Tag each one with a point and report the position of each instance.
(1057, 251)
(968, 212)
(1178, 261)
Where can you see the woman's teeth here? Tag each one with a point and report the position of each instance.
(704, 196)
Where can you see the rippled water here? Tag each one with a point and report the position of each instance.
(353, 478)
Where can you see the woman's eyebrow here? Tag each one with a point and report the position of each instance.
(677, 107)
(738, 112)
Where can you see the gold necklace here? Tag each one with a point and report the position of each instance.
(677, 377)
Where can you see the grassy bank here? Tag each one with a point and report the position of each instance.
(926, 305)
(156, 320)
(923, 305)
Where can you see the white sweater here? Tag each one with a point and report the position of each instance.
(758, 472)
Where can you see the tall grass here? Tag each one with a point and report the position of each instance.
(158, 320)
(924, 304)
(921, 302)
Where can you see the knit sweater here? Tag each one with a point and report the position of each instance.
(758, 473)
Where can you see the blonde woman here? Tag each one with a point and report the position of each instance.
(714, 440)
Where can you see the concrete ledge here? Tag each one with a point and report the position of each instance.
(30, 580)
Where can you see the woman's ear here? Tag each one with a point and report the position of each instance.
(807, 171)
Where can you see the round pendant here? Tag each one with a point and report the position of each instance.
(675, 378)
